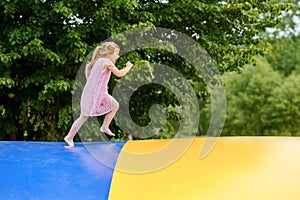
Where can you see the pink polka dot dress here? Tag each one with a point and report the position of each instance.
(95, 100)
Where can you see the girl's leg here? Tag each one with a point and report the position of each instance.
(74, 129)
(108, 118)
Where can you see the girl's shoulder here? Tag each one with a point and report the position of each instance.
(102, 63)
(105, 61)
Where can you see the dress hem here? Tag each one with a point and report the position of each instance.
(97, 115)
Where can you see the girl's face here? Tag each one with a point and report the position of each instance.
(115, 56)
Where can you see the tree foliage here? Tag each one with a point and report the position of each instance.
(43, 43)
(289, 26)
(262, 101)
(284, 55)
(247, 96)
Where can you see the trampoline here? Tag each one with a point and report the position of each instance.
(46, 170)
(260, 168)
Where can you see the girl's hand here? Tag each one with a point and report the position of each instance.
(129, 64)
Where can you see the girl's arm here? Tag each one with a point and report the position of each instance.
(120, 72)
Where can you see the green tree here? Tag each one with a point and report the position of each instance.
(248, 99)
(262, 101)
(284, 37)
(284, 55)
(289, 26)
(283, 112)
(43, 43)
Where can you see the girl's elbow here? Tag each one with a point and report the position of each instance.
(119, 75)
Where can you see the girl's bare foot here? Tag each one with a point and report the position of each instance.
(107, 131)
(69, 141)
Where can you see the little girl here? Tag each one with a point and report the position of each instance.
(95, 100)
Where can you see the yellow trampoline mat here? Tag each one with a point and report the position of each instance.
(237, 168)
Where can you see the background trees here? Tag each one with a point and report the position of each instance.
(264, 99)
(43, 43)
(248, 96)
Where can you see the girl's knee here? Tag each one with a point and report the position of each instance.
(116, 105)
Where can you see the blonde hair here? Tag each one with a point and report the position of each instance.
(106, 49)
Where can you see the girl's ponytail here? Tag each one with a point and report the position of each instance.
(88, 69)
(89, 65)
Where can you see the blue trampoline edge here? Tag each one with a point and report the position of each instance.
(49, 170)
